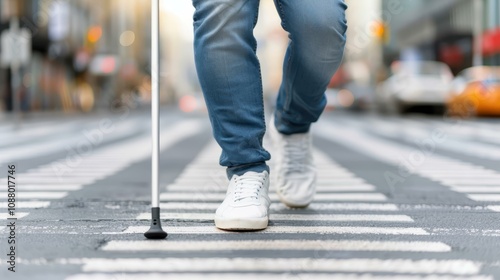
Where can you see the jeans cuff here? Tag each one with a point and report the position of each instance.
(289, 128)
(242, 169)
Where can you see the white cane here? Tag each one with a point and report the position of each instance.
(156, 231)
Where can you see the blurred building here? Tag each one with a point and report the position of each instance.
(360, 70)
(458, 32)
(363, 54)
(86, 54)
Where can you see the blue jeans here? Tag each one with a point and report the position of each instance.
(230, 76)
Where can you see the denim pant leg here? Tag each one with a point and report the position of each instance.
(230, 77)
(317, 31)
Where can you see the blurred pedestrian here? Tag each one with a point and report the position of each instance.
(230, 76)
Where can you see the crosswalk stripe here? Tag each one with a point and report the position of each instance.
(35, 195)
(453, 171)
(408, 266)
(49, 146)
(397, 154)
(292, 229)
(476, 181)
(191, 180)
(494, 208)
(322, 245)
(322, 175)
(466, 177)
(291, 217)
(223, 188)
(408, 130)
(333, 180)
(194, 179)
(273, 196)
(477, 189)
(5, 216)
(484, 197)
(49, 187)
(76, 176)
(27, 204)
(55, 180)
(276, 206)
(262, 276)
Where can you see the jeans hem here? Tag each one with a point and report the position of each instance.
(242, 169)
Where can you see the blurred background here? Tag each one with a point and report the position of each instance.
(408, 152)
(75, 56)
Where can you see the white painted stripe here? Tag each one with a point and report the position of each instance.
(476, 181)
(396, 154)
(326, 174)
(51, 145)
(192, 180)
(27, 204)
(294, 217)
(55, 180)
(477, 189)
(262, 276)
(476, 184)
(471, 175)
(82, 168)
(277, 206)
(293, 229)
(411, 130)
(78, 177)
(223, 188)
(169, 137)
(353, 181)
(35, 195)
(454, 267)
(49, 187)
(484, 197)
(5, 216)
(322, 245)
(273, 196)
(336, 175)
(494, 208)
(456, 171)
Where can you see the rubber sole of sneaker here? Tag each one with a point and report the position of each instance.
(241, 224)
(292, 204)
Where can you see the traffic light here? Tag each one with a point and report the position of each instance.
(94, 34)
(381, 31)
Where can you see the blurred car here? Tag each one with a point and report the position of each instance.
(476, 92)
(350, 88)
(352, 97)
(363, 96)
(414, 83)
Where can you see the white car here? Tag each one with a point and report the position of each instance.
(414, 83)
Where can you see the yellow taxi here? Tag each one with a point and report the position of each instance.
(475, 92)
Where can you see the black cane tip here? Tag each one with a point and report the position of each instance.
(155, 231)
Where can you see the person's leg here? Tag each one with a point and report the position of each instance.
(317, 39)
(229, 74)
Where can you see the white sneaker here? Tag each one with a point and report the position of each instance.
(246, 206)
(294, 167)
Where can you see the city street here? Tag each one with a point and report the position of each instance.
(413, 197)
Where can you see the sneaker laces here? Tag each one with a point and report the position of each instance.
(296, 151)
(248, 186)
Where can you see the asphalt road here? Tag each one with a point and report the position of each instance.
(416, 197)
